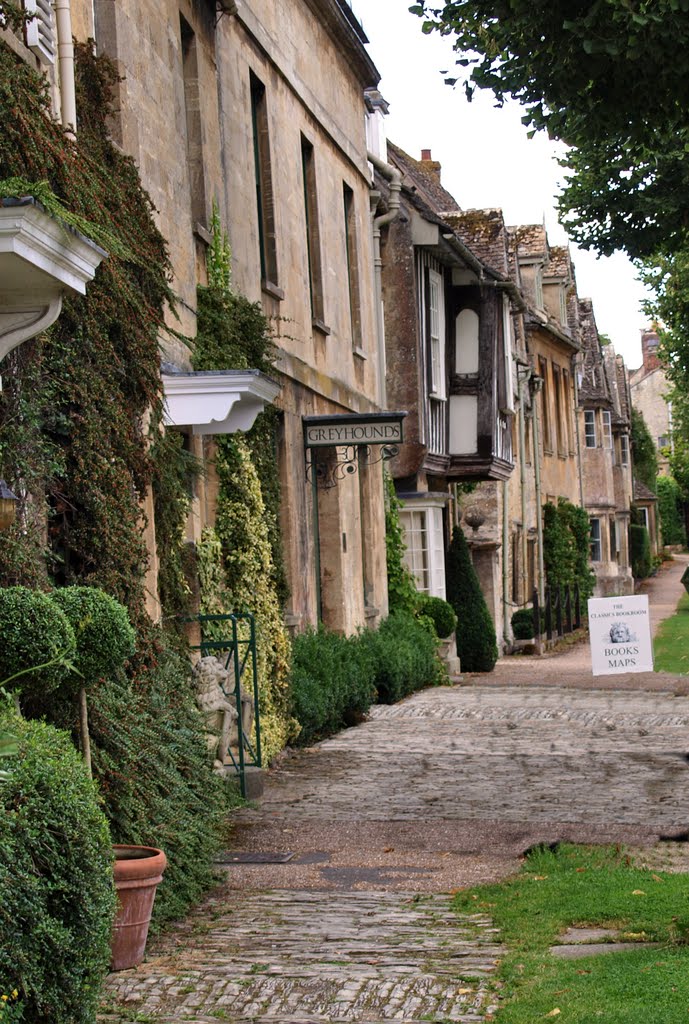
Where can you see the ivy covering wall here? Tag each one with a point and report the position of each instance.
(566, 539)
(79, 408)
(240, 561)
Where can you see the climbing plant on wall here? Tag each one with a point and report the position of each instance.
(240, 560)
(78, 409)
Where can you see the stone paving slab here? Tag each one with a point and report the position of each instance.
(298, 956)
(538, 755)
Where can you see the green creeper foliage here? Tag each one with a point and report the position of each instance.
(402, 592)
(476, 641)
(566, 537)
(440, 613)
(237, 574)
(643, 451)
(640, 548)
(34, 634)
(56, 894)
(671, 509)
(104, 635)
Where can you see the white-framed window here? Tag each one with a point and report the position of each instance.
(643, 516)
(590, 427)
(607, 428)
(538, 288)
(436, 319)
(425, 539)
(563, 305)
(624, 450)
(40, 29)
(595, 540)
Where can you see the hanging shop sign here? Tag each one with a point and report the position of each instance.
(353, 429)
(620, 630)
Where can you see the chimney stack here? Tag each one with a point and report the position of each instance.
(649, 348)
(429, 164)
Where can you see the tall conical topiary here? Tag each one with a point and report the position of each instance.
(476, 644)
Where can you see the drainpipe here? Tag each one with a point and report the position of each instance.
(395, 179)
(537, 384)
(523, 379)
(65, 54)
(506, 604)
(575, 377)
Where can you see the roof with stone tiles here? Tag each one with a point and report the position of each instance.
(485, 232)
(424, 175)
(594, 385)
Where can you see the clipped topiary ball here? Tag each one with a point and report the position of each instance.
(441, 612)
(34, 632)
(104, 635)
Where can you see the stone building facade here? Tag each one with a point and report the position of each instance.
(604, 427)
(650, 395)
(259, 109)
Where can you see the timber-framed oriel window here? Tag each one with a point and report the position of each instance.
(265, 203)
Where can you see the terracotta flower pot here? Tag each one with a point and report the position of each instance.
(138, 871)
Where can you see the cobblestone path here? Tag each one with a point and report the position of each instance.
(310, 957)
(443, 790)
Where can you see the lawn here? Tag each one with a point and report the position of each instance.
(671, 644)
(589, 886)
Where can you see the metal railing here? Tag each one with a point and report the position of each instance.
(232, 639)
(560, 612)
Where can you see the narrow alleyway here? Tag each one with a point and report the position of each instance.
(446, 789)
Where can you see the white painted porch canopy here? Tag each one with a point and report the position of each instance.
(40, 259)
(217, 401)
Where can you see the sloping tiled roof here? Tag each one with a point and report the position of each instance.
(623, 389)
(485, 232)
(560, 262)
(531, 239)
(641, 492)
(424, 175)
(594, 385)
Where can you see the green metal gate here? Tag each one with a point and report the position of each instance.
(234, 643)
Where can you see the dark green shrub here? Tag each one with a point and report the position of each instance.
(671, 510)
(56, 894)
(523, 624)
(476, 641)
(104, 635)
(640, 548)
(442, 614)
(33, 632)
(405, 657)
(332, 682)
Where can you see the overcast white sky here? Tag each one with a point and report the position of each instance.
(487, 159)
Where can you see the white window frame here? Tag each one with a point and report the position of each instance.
(563, 305)
(40, 30)
(436, 322)
(607, 428)
(590, 421)
(624, 450)
(595, 540)
(424, 535)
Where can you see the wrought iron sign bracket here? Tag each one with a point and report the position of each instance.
(334, 445)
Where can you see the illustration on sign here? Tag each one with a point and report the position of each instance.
(620, 632)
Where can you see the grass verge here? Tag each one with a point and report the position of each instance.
(671, 644)
(589, 886)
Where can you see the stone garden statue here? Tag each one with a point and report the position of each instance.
(212, 680)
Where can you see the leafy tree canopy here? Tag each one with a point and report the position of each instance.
(643, 451)
(607, 78)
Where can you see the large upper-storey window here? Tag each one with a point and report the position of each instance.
(352, 257)
(313, 238)
(264, 183)
(436, 330)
